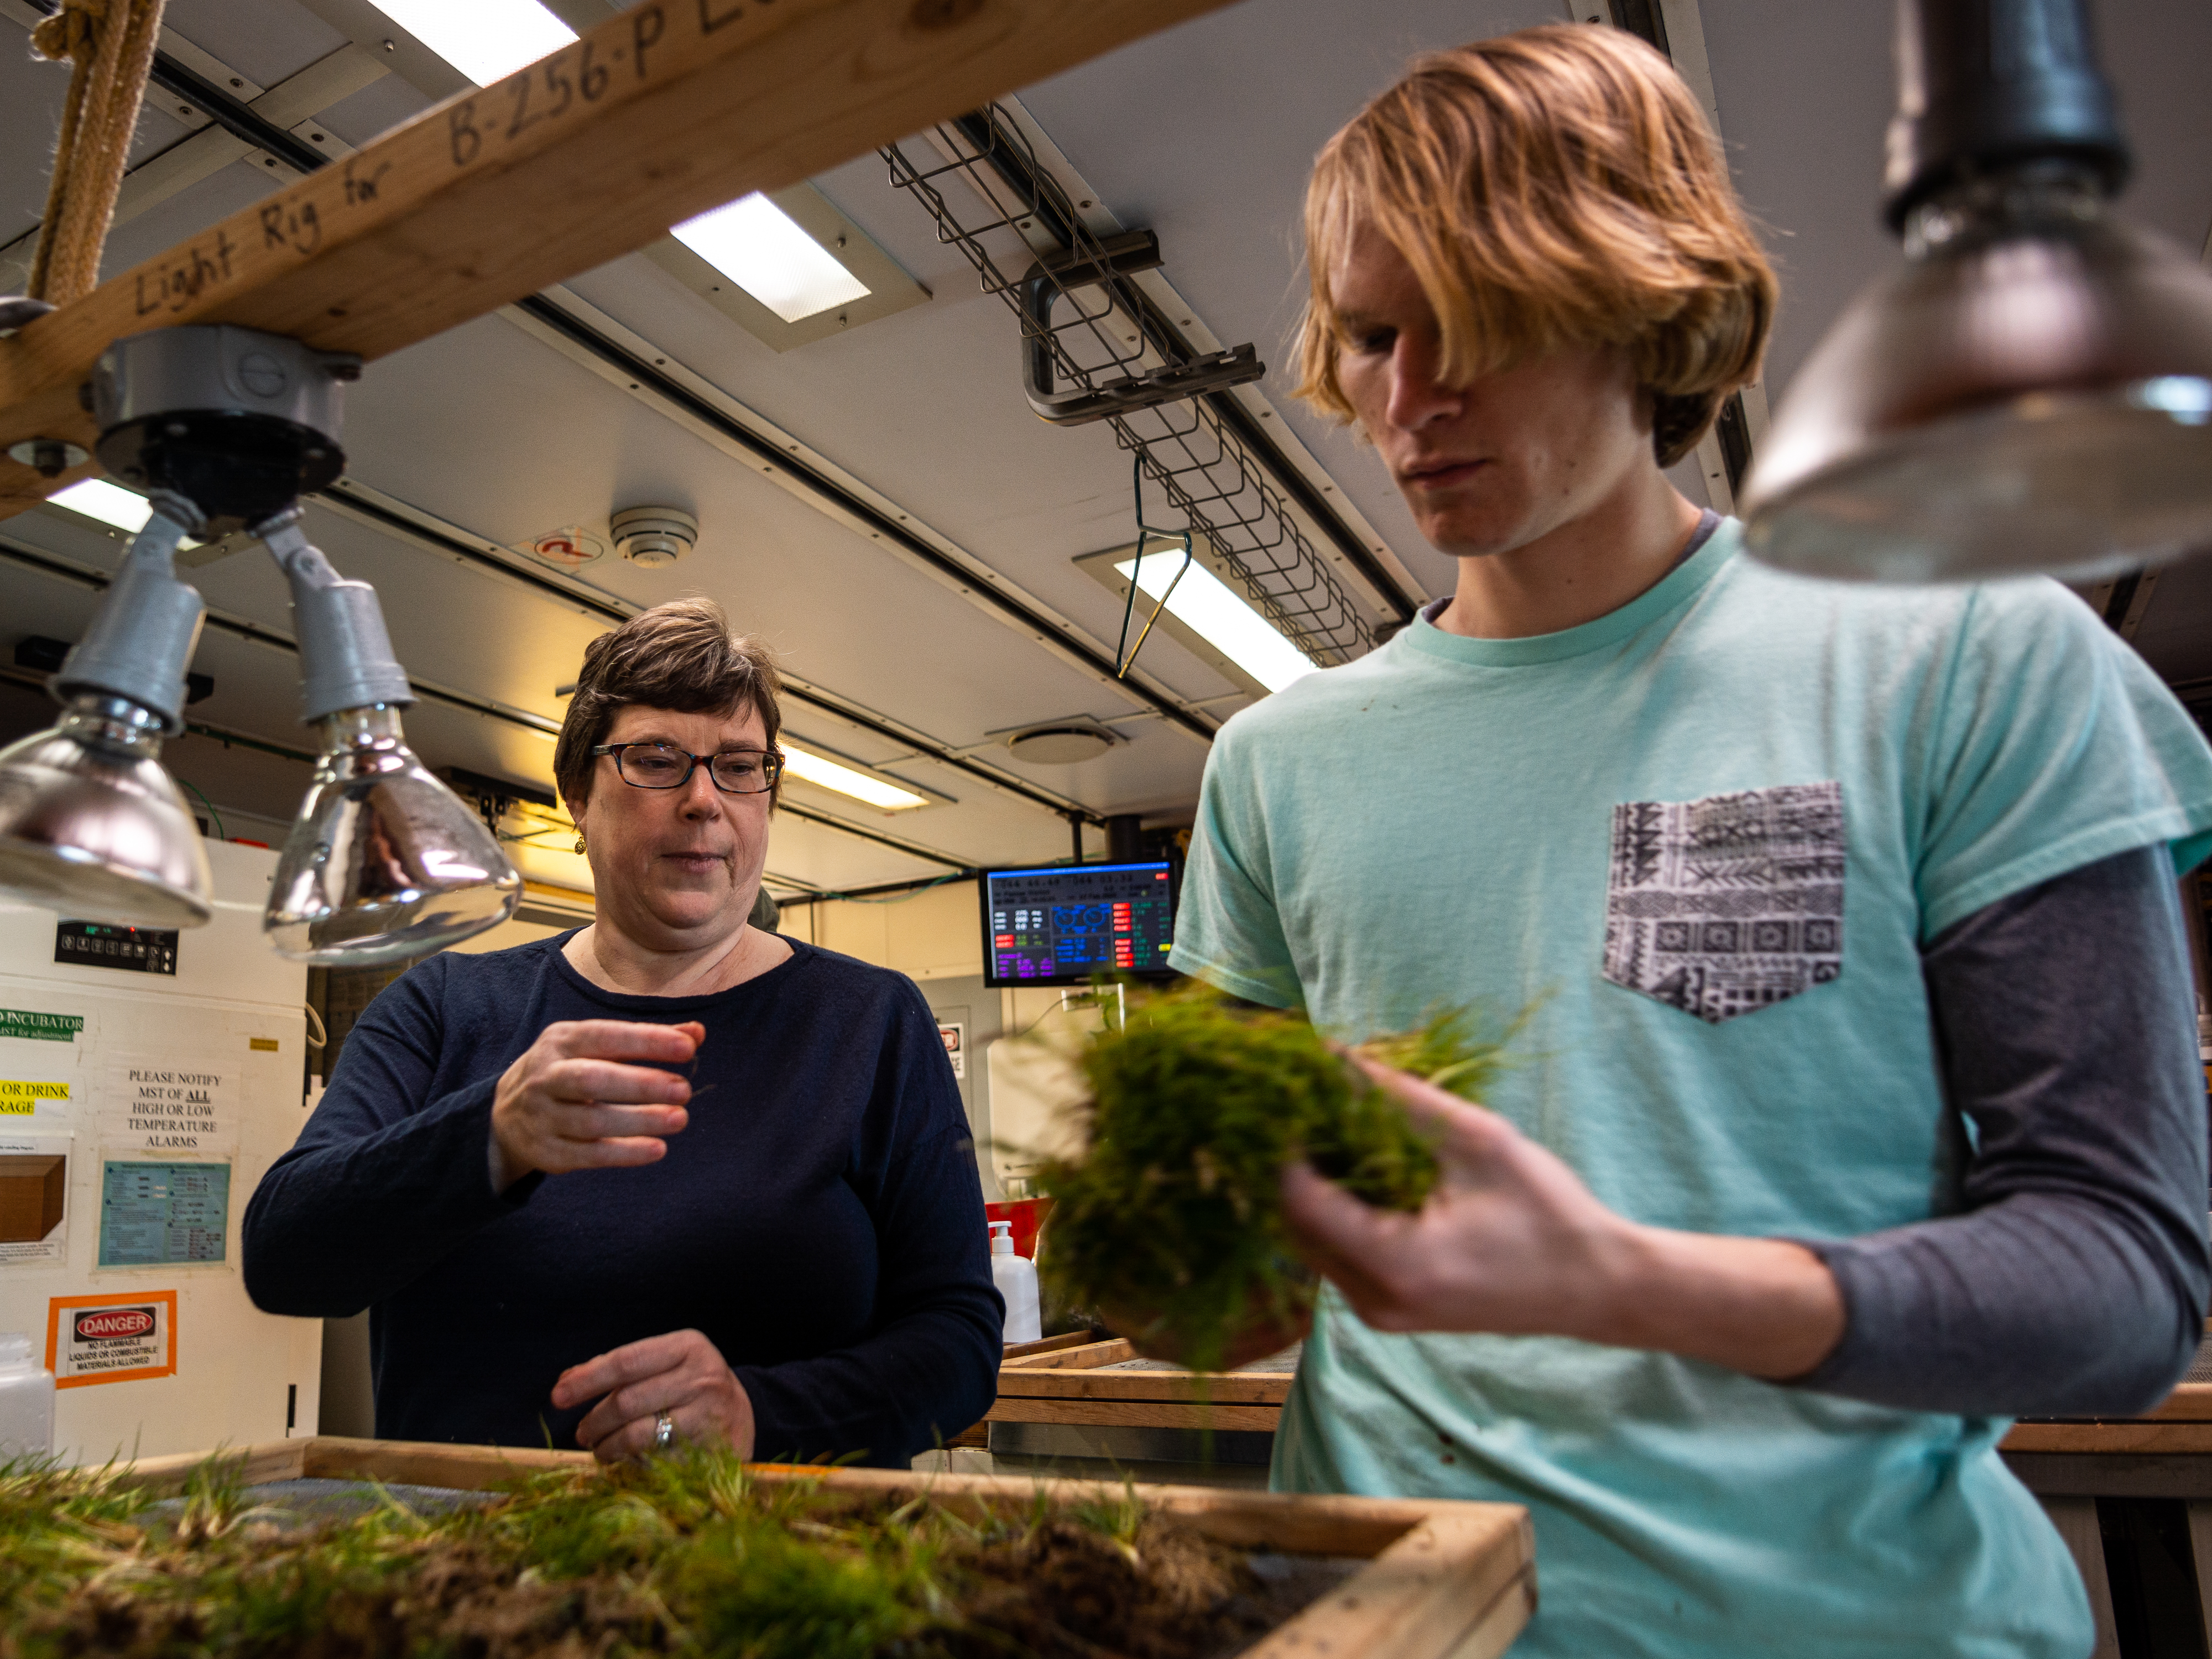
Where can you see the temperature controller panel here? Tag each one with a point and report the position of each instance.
(1064, 924)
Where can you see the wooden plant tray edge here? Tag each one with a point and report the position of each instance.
(1444, 1579)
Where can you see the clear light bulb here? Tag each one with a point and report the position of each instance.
(91, 824)
(384, 862)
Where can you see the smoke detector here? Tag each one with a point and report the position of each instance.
(653, 537)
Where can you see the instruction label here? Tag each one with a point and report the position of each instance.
(161, 1215)
(111, 1338)
(162, 1107)
(20, 1097)
(39, 1028)
(34, 1182)
(954, 1036)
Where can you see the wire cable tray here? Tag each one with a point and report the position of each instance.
(1086, 325)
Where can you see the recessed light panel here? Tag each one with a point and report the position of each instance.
(846, 780)
(1206, 606)
(110, 503)
(760, 248)
(486, 40)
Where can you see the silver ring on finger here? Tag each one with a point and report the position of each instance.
(663, 1432)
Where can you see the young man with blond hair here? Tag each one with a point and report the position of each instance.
(1857, 1110)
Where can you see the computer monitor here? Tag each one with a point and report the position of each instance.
(1066, 924)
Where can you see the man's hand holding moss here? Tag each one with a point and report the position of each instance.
(1513, 1242)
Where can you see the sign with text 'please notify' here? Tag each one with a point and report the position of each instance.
(162, 1104)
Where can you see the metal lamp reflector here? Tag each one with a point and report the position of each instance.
(383, 861)
(2034, 392)
(90, 823)
(92, 826)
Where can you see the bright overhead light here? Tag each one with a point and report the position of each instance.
(486, 40)
(847, 781)
(110, 503)
(1205, 603)
(760, 248)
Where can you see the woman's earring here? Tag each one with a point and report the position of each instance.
(579, 843)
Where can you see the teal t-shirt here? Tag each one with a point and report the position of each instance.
(1704, 837)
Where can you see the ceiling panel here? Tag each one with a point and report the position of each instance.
(1204, 135)
(265, 40)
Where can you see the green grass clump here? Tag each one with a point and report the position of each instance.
(1169, 1222)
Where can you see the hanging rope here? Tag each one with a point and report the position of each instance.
(110, 42)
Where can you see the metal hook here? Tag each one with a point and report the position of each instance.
(1123, 664)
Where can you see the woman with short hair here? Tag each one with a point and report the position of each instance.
(667, 1177)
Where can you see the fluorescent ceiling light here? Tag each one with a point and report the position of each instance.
(486, 40)
(847, 781)
(760, 248)
(110, 503)
(1202, 602)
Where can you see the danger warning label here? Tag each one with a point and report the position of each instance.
(111, 1338)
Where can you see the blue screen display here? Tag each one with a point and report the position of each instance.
(1064, 924)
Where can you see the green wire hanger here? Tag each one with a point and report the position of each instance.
(1145, 533)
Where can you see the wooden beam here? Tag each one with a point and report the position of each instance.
(662, 113)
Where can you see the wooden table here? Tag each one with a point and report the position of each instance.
(2069, 1463)
(1106, 1384)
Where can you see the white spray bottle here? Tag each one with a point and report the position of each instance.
(26, 1396)
(1015, 1278)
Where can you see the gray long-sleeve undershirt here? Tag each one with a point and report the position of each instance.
(2072, 1282)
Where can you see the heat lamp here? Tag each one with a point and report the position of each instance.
(2032, 391)
(226, 428)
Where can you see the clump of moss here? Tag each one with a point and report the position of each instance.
(1169, 1221)
(687, 1553)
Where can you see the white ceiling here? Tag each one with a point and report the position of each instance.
(1203, 135)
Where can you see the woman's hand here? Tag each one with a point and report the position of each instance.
(1512, 1242)
(681, 1375)
(569, 1103)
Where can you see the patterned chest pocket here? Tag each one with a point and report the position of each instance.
(1727, 905)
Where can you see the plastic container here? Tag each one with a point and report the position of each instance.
(27, 1395)
(1015, 1278)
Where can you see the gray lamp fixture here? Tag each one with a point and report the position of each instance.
(227, 427)
(2033, 390)
(90, 822)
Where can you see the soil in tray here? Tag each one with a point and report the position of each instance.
(683, 1555)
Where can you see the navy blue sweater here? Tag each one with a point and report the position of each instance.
(819, 1218)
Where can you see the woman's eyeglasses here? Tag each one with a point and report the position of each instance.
(664, 766)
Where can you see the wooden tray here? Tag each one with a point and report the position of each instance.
(1444, 1580)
